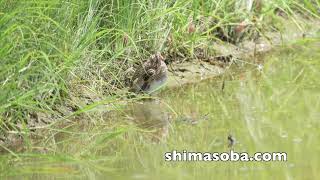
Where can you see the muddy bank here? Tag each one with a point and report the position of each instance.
(204, 67)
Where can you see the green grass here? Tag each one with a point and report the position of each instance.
(55, 54)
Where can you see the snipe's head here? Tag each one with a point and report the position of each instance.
(159, 56)
(156, 60)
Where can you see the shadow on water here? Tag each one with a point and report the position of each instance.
(152, 115)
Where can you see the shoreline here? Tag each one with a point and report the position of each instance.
(180, 73)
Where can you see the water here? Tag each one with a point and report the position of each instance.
(274, 108)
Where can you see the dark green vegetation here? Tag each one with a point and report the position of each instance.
(60, 59)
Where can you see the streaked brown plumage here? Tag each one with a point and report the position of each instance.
(151, 76)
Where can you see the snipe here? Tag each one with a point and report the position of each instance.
(152, 75)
